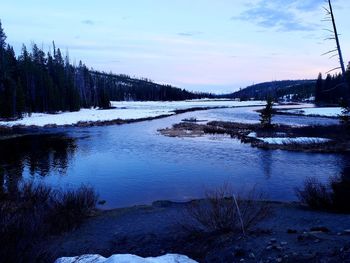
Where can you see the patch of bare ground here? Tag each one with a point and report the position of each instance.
(290, 234)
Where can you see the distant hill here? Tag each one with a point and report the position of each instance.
(293, 89)
(124, 87)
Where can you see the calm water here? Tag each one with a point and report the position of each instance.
(133, 164)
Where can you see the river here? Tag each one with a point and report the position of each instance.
(133, 164)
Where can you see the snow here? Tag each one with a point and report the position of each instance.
(288, 140)
(321, 111)
(127, 258)
(298, 140)
(124, 110)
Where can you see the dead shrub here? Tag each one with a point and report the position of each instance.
(314, 194)
(333, 196)
(223, 211)
(36, 211)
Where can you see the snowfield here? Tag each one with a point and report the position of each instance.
(127, 258)
(124, 110)
(326, 112)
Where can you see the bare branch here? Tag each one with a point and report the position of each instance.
(335, 55)
(334, 50)
(326, 29)
(327, 11)
(333, 70)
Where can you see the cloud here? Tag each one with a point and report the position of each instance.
(88, 22)
(280, 15)
(190, 33)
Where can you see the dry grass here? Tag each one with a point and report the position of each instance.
(314, 194)
(36, 211)
(333, 196)
(223, 211)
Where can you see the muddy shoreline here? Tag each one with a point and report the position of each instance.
(291, 233)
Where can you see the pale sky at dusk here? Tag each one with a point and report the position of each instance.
(201, 45)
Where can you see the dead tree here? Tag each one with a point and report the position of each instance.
(330, 17)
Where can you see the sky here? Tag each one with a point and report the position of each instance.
(200, 45)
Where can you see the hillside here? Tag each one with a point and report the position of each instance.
(126, 88)
(296, 89)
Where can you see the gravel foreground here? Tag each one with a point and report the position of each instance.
(290, 234)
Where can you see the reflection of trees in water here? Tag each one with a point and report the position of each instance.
(266, 158)
(40, 153)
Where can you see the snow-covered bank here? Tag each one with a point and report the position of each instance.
(169, 258)
(289, 140)
(298, 140)
(123, 110)
(322, 111)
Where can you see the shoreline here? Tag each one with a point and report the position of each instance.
(292, 233)
(316, 139)
(4, 128)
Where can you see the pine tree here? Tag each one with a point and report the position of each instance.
(266, 114)
(318, 89)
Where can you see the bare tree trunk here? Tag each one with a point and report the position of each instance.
(341, 60)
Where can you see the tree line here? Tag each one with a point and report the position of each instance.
(36, 81)
(299, 89)
(332, 90)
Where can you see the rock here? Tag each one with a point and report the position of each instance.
(171, 258)
(346, 231)
(284, 243)
(268, 247)
(307, 236)
(252, 256)
(322, 229)
(292, 231)
(279, 260)
(273, 240)
(239, 252)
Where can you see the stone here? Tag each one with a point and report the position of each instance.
(347, 231)
(284, 243)
(322, 229)
(239, 252)
(292, 231)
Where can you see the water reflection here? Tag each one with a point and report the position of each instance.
(267, 160)
(41, 154)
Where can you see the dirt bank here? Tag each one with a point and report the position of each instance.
(291, 234)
